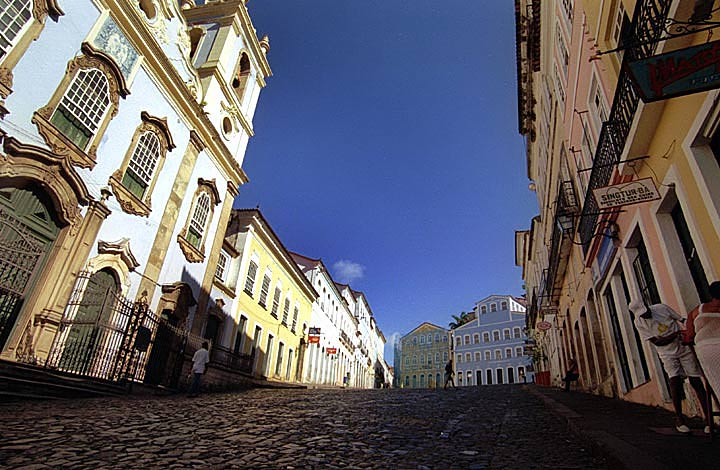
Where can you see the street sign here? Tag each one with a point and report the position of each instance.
(313, 330)
(544, 325)
(331, 350)
(313, 339)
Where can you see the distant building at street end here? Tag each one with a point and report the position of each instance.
(422, 356)
(490, 349)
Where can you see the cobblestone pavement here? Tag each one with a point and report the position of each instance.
(474, 428)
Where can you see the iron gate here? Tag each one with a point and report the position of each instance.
(121, 340)
(20, 254)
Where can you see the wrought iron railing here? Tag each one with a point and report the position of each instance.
(649, 20)
(224, 357)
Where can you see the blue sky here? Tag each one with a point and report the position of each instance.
(387, 145)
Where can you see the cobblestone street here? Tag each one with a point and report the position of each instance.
(476, 428)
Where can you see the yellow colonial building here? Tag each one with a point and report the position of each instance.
(272, 298)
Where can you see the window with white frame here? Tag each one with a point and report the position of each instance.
(508, 353)
(468, 357)
(458, 341)
(264, 291)
(14, 15)
(517, 333)
(496, 335)
(503, 305)
(80, 112)
(414, 360)
(141, 168)
(476, 338)
(429, 338)
(222, 265)
(562, 49)
(597, 103)
(518, 351)
(486, 337)
(459, 358)
(422, 340)
(498, 354)
(506, 333)
(483, 309)
(493, 307)
(437, 357)
(286, 311)
(294, 319)
(488, 355)
(478, 356)
(250, 279)
(445, 356)
(407, 361)
(467, 339)
(276, 302)
(199, 220)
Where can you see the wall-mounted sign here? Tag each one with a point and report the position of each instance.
(313, 330)
(313, 339)
(677, 73)
(625, 194)
(331, 350)
(543, 325)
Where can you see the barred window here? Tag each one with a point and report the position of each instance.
(141, 167)
(276, 303)
(220, 269)
(14, 15)
(250, 279)
(264, 289)
(81, 109)
(196, 230)
(286, 311)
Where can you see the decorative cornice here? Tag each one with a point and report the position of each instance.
(113, 68)
(44, 8)
(210, 184)
(122, 249)
(61, 145)
(161, 124)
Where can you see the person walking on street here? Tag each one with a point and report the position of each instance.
(200, 360)
(658, 324)
(703, 329)
(572, 374)
(449, 372)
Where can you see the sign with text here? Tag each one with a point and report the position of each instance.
(543, 325)
(312, 339)
(677, 73)
(313, 331)
(625, 194)
(331, 350)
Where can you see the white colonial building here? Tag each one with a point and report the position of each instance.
(124, 131)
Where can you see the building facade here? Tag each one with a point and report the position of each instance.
(587, 130)
(423, 355)
(121, 158)
(490, 349)
(272, 300)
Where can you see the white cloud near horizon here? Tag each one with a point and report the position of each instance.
(347, 271)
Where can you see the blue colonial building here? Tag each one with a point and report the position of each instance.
(489, 349)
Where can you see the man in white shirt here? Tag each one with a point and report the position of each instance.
(659, 324)
(199, 367)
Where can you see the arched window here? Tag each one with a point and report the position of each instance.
(133, 183)
(486, 337)
(476, 338)
(240, 77)
(496, 335)
(516, 332)
(15, 15)
(192, 237)
(81, 109)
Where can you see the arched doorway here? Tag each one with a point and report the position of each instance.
(28, 229)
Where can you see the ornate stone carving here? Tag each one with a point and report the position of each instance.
(45, 8)
(192, 254)
(6, 81)
(127, 200)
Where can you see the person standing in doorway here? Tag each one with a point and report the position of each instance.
(572, 374)
(449, 372)
(200, 360)
(658, 324)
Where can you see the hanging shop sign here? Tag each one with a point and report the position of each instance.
(543, 325)
(625, 194)
(313, 330)
(331, 350)
(677, 73)
(313, 339)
